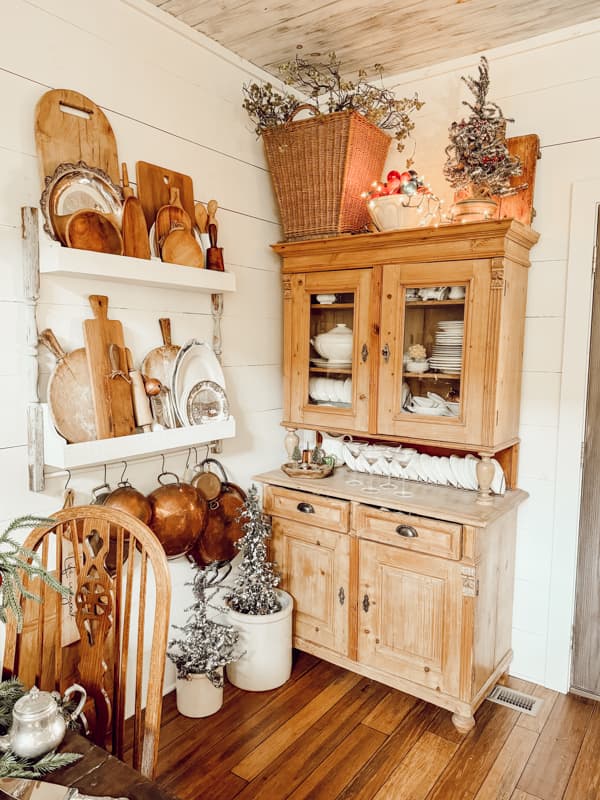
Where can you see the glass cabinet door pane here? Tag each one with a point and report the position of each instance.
(434, 327)
(331, 348)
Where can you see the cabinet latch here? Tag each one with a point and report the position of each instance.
(386, 352)
(364, 353)
(341, 595)
(366, 603)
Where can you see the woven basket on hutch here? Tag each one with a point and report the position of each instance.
(319, 167)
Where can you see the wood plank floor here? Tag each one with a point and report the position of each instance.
(331, 734)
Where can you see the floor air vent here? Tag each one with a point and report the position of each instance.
(519, 701)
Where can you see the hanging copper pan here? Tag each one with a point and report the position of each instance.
(223, 526)
(179, 514)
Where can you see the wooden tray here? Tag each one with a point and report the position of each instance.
(313, 470)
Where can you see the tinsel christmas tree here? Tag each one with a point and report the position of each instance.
(253, 590)
(206, 646)
(16, 560)
(478, 158)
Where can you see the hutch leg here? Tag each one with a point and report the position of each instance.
(462, 723)
(485, 476)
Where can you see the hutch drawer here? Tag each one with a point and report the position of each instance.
(311, 509)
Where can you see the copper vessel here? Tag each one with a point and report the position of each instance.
(126, 498)
(179, 514)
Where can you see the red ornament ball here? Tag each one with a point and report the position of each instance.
(393, 175)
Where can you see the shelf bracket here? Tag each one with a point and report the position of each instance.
(31, 293)
(217, 344)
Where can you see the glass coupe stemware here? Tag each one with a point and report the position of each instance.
(389, 455)
(403, 456)
(372, 456)
(355, 449)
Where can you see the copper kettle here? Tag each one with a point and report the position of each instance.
(179, 514)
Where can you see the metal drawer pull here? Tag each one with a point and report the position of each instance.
(306, 508)
(341, 595)
(407, 530)
(365, 603)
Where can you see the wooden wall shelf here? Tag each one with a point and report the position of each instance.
(58, 453)
(64, 261)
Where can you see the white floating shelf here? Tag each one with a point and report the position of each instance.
(58, 260)
(57, 453)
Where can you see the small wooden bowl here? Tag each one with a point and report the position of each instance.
(92, 230)
(311, 471)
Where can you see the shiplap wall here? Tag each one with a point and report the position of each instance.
(172, 102)
(548, 86)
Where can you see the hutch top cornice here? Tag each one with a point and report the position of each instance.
(507, 238)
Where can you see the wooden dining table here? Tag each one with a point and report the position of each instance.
(99, 773)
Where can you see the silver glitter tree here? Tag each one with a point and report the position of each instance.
(478, 158)
(253, 590)
(206, 646)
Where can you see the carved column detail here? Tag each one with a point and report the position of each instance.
(470, 582)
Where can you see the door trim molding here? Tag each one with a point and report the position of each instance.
(585, 200)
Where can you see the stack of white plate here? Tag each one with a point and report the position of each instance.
(331, 391)
(442, 470)
(447, 350)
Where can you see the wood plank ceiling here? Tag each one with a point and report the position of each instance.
(399, 34)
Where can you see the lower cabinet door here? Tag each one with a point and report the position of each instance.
(410, 608)
(314, 564)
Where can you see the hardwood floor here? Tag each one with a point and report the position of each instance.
(331, 734)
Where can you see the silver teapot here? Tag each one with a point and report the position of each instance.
(38, 725)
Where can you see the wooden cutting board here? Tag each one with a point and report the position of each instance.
(70, 392)
(159, 361)
(154, 186)
(118, 389)
(99, 333)
(69, 127)
(520, 205)
(133, 223)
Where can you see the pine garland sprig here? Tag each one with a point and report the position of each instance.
(12, 766)
(11, 690)
(16, 560)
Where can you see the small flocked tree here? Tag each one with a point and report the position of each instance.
(206, 645)
(254, 589)
(478, 158)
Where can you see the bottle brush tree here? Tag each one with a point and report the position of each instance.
(254, 589)
(478, 158)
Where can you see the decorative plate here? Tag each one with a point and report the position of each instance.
(206, 402)
(74, 187)
(195, 362)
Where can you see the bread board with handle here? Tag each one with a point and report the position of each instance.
(171, 217)
(99, 333)
(69, 392)
(154, 186)
(133, 222)
(69, 127)
(118, 390)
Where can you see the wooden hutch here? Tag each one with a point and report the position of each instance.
(415, 592)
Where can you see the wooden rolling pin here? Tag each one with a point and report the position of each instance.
(141, 401)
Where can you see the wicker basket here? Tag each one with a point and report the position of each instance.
(320, 166)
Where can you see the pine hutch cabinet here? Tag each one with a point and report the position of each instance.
(415, 592)
(375, 280)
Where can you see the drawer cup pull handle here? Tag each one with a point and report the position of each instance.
(306, 508)
(407, 530)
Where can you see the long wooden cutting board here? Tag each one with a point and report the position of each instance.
(70, 127)
(154, 186)
(69, 392)
(99, 333)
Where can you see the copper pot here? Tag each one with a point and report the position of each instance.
(179, 515)
(126, 498)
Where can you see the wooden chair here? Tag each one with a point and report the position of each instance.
(120, 579)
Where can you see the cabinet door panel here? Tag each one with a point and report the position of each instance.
(314, 564)
(326, 392)
(410, 615)
(453, 329)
